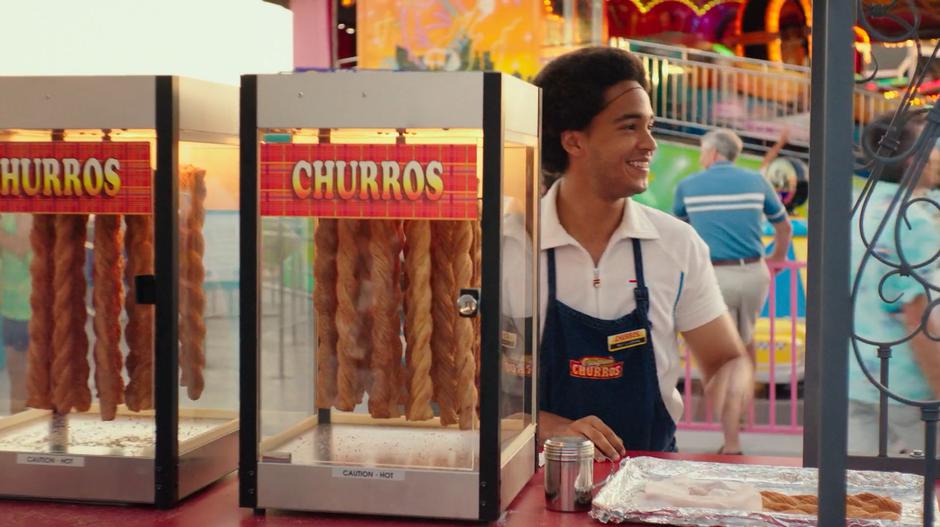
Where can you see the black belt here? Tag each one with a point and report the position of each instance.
(737, 261)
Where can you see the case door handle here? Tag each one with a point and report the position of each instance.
(468, 303)
(145, 289)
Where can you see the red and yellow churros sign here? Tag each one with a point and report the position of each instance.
(600, 368)
(75, 178)
(369, 181)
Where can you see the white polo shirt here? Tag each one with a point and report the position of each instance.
(684, 293)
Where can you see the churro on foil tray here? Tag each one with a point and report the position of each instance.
(692, 493)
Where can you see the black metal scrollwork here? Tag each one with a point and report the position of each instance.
(890, 229)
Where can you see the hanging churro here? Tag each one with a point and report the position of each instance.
(465, 367)
(364, 309)
(384, 250)
(69, 341)
(418, 319)
(349, 353)
(108, 296)
(38, 381)
(192, 275)
(444, 288)
(401, 369)
(324, 301)
(138, 332)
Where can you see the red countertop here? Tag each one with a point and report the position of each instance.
(218, 506)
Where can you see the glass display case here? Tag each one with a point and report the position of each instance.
(389, 242)
(118, 286)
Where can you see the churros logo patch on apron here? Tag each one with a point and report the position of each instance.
(600, 368)
(627, 339)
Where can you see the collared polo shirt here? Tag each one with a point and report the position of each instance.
(684, 292)
(727, 205)
(880, 321)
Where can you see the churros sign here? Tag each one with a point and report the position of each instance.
(369, 181)
(75, 178)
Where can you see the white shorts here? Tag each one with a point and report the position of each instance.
(744, 288)
(905, 429)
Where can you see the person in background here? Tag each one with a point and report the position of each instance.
(774, 150)
(727, 205)
(620, 280)
(15, 311)
(914, 366)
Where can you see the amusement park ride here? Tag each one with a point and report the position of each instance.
(775, 30)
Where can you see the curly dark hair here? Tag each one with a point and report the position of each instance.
(573, 87)
(904, 136)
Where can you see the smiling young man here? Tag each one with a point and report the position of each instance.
(620, 280)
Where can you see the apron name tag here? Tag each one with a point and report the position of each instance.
(508, 339)
(627, 339)
(600, 368)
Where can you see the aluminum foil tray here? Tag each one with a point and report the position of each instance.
(621, 499)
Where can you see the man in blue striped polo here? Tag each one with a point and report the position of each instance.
(726, 205)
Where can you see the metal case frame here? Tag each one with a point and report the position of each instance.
(490, 101)
(176, 109)
(831, 329)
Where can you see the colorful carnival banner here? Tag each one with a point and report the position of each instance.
(369, 181)
(453, 35)
(75, 178)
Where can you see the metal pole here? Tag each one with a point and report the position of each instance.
(885, 355)
(597, 22)
(568, 14)
(166, 267)
(280, 299)
(296, 303)
(930, 415)
(830, 192)
(333, 6)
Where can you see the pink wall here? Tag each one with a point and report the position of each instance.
(313, 25)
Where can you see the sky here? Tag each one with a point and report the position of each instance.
(215, 40)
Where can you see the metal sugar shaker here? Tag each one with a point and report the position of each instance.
(569, 473)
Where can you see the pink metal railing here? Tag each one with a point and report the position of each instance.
(692, 420)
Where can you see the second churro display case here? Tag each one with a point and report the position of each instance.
(118, 287)
(388, 282)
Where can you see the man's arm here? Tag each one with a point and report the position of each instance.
(678, 203)
(606, 443)
(777, 216)
(775, 150)
(720, 355)
(714, 344)
(926, 351)
(783, 232)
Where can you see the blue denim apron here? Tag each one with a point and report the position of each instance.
(605, 368)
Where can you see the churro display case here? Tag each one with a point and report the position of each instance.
(118, 287)
(388, 290)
